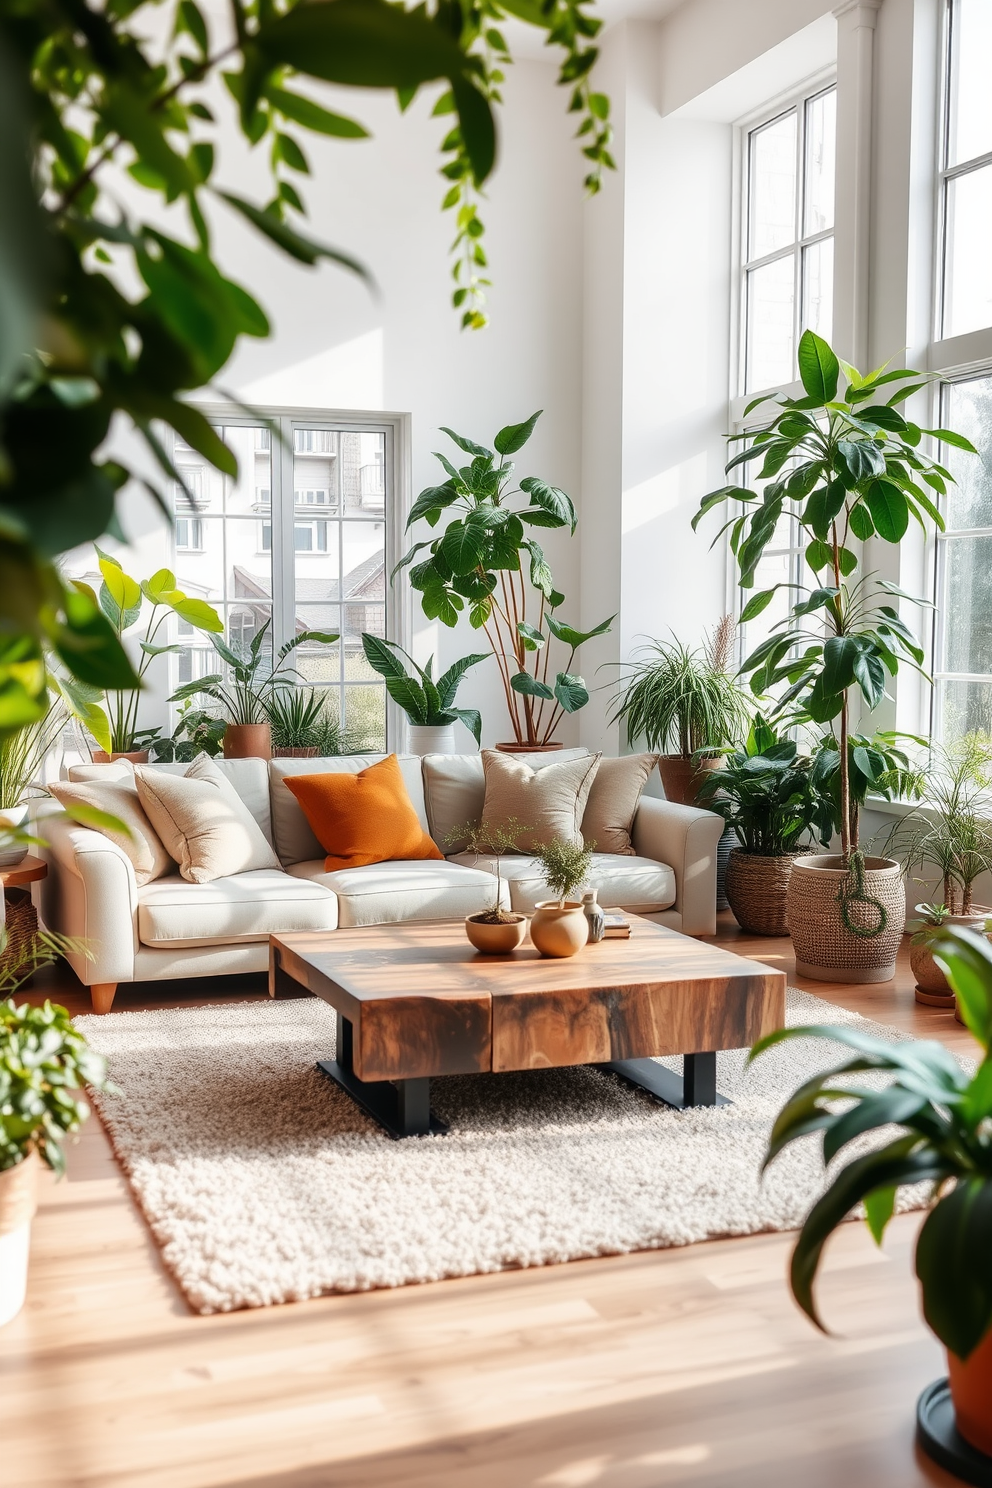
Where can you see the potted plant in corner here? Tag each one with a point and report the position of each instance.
(682, 703)
(246, 692)
(941, 1116)
(765, 792)
(847, 466)
(558, 926)
(495, 931)
(486, 560)
(428, 704)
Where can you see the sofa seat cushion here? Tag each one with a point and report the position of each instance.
(638, 884)
(388, 893)
(244, 907)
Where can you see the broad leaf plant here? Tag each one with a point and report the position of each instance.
(114, 306)
(427, 701)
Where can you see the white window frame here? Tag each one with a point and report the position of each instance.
(397, 443)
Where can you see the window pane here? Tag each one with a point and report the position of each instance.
(967, 407)
(968, 261)
(965, 708)
(818, 288)
(772, 187)
(317, 663)
(970, 95)
(821, 133)
(365, 717)
(968, 611)
(770, 310)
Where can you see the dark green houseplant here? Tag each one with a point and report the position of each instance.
(943, 1137)
(428, 702)
(488, 563)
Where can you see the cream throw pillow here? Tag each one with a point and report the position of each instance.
(616, 790)
(548, 803)
(143, 845)
(203, 822)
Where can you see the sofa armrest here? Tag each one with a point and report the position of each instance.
(90, 893)
(684, 837)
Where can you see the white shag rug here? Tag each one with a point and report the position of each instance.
(263, 1182)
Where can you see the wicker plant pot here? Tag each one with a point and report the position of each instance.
(728, 842)
(307, 751)
(758, 888)
(826, 949)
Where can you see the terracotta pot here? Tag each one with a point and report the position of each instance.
(971, 1391)
(309, 752)
(758, 891)
(514, 748)
(248, 741)
(136, 756)
(681, 778)
(826, 949)
(932, 987)
(496, 940)
(559, 930)
(18, 1201)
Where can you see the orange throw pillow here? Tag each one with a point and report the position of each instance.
(363, 818)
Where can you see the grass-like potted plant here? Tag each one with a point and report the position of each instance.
(44, 1063)
(295, 718)
(495, 931)
(559, 926)
(683, 702)
(428, 703)
(22, 758)
(486, 561)
(245, 694)
(847, 466)
(942, 1137)
(766, 793)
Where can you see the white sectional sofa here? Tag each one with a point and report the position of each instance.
(171, 929)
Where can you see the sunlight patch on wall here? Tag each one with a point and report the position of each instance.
(681, 484)
(351, 375)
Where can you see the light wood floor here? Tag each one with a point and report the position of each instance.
(673, 1367)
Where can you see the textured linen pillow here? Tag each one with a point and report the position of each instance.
(363, 818)
(143, 846)
(616, 790)
(548, 803)
(203, 822)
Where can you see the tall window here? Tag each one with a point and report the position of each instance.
(966, 174)
(298, 539)
(787, 231)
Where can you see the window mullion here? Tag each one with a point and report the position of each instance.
(283, 556)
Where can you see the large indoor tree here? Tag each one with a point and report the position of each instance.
(105, 316)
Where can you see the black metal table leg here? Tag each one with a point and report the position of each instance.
(401, 1107)
(695, 1087)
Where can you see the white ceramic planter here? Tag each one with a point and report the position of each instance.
(18, 1190)
(424, 740)
(12, 853)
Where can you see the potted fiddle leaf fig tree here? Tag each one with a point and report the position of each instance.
(846, 464)
(486, 560)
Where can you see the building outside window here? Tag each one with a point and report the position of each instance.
(787, 258)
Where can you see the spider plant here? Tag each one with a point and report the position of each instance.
(680, 701)
(952, 829)
(246, 692)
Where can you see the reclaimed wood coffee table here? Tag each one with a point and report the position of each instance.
(415, 1001)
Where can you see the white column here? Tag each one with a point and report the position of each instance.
(852, 244)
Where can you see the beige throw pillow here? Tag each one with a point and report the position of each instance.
(613, 800)
(548, 803)
(203, 822)
(141, 843)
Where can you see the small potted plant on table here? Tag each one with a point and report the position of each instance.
(495, 931)
(559, 926)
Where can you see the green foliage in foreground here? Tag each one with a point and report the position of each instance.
(945, 1139)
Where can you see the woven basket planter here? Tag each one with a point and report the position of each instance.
(826, 949)
(757, 888)
(21, 925)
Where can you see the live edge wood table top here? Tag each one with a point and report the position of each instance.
(416, 1001)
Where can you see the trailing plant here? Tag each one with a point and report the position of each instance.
(197, 732)
(247, 691)
(44, 1062)
(944, 1139)
(847, 466)
(487, 560)
(681, 701)
(426, 702)
(565, 865)
(108, 318)
(951, 830)
(767, 794)
(122, 600)
(494, 840)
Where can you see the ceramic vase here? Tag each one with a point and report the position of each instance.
(425, 739)
(559, 930)
(496, 939)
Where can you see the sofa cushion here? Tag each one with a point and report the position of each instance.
(203, 822)
(140, 843)
(612, 804)
(536, 807)
(365, 818)
(245, 907)
(250, 778)
(638, 884)
(387, 893)
(293, 836)
(455, 790)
